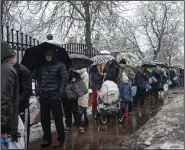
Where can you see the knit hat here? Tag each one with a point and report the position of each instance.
(13, 53)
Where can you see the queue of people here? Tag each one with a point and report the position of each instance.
(52, 80)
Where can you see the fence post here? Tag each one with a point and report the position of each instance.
(17, 43)
(22, 45)
(12, 38)
(2, 31)
(8, 35)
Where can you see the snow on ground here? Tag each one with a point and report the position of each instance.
(163, 131)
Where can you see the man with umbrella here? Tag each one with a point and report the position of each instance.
(51, 85)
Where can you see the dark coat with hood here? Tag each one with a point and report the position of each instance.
(9, 94)
(141, 79)
(112, 72)
(52, 79)
(25, 86)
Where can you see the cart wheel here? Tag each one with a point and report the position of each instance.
(120, 118)
(103, 120)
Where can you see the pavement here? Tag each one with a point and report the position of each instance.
(110, 136)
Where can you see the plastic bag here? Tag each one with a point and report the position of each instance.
(165, 87)
(76, 89)
(150, 80)
(134, 91)
(34, 110)
(9, 144)
(169, 82)
(154, 80)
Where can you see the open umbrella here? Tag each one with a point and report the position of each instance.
(148, 64)
(158, 70)
(131, 59)
(80, 61)
(34, 57)
(101, 59)
(104, 52)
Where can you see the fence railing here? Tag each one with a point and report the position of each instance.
(20, 42)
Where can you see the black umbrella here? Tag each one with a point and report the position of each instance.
(148, 64)
(34, 57)
(158, 70)
(80, 61)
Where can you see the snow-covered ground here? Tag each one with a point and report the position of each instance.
(163, 131)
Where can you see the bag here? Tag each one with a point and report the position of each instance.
(134, 91)
(33, 111)
(165, 87)
(154, 80)
(161, 95)
(9, 144)
(175, 78)
(76, 89)
(169, 82)
(150, 80)
(148, 87)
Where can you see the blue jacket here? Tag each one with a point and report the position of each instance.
(96, 80)
(125, 92)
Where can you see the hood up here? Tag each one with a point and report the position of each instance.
(5, 51)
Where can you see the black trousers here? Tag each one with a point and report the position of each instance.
(71, 107)
(129, 106)
(23, 117)
(48, 104)
(140, 96)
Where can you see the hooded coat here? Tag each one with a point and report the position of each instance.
(83, 101)
(9, 94)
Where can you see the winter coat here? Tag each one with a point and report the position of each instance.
(161, 81)
(141, 80)
(125, 92)
(83, 101)
(25, 86)
(112, 72)
(9, 94)
(129, 72)
(52, 81)
(96, 80)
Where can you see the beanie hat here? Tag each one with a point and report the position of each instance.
(12, 53)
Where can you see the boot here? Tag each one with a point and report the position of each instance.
(126, 113)
(45, 143)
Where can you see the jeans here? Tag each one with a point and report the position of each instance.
(83, 111)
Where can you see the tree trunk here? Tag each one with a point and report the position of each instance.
(87, 27)
(2, 10)
(155, 55)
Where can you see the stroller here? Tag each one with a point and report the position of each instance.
(108, 103)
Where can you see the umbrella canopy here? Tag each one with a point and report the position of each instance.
(148, 64)
(34, 57)
(115, 54)
(131, 59)
(158, 70)
(101, 59)
(80, 61)
(104, 52)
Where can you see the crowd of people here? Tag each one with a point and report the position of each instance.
(51, 81)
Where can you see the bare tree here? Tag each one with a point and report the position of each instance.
(156, 17)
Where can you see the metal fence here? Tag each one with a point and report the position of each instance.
(20, 42)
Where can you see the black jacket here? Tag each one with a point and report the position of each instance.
(9, 94)
(112, 72)
(25, 86)
(141, 80)
(52, 80)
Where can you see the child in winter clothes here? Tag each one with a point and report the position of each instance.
(83, 101)
(125, 94)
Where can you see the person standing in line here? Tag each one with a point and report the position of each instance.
(25, 91)
(125, 94)
(9, 95)
(141, 80)
(71, 106)
(50, 89)
(96, 82)
(111, 71)
(83, 101)
(130, 73)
